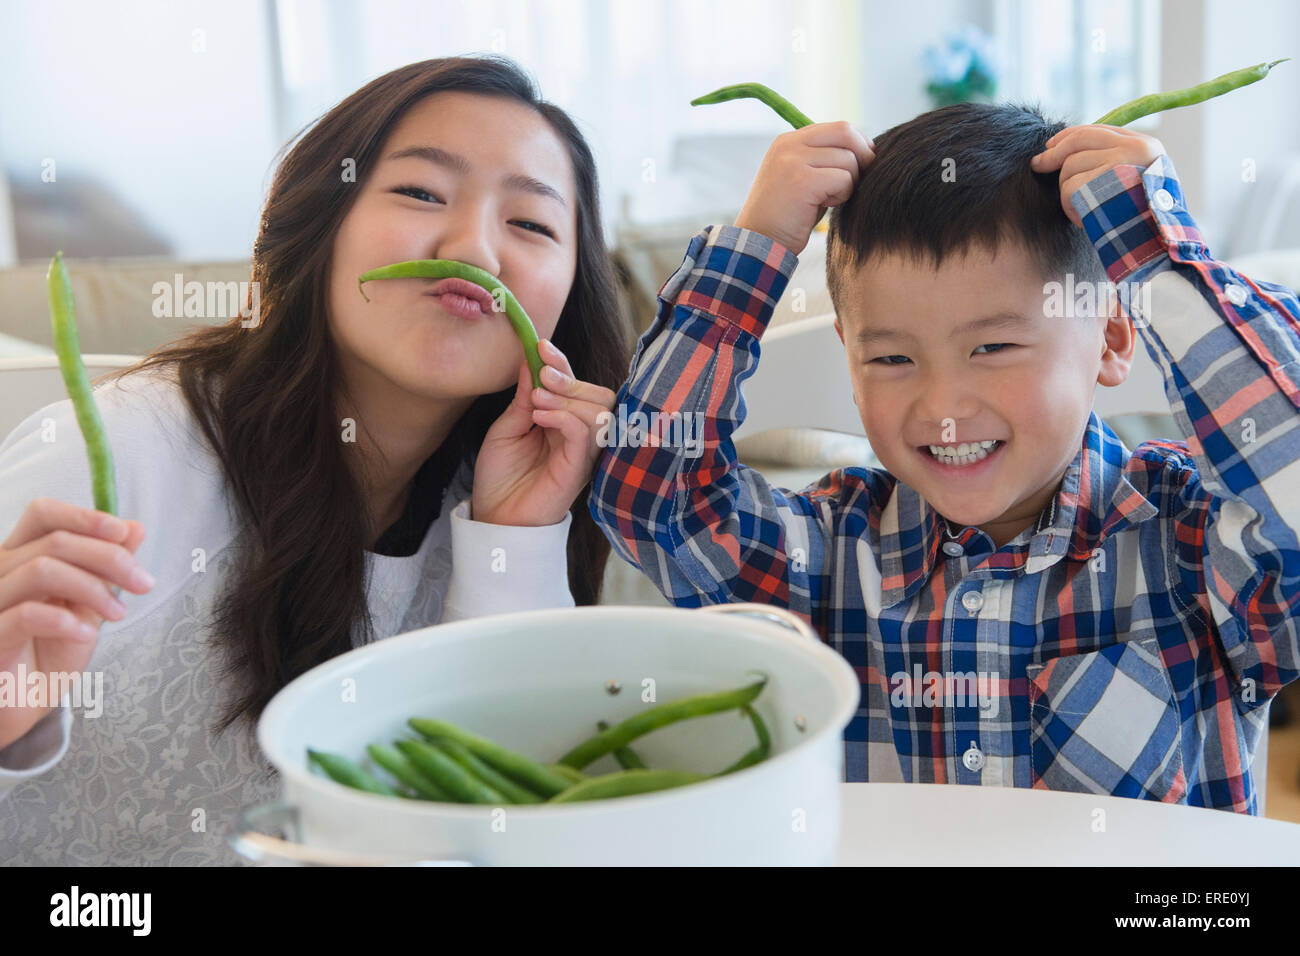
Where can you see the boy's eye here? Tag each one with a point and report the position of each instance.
(884, 359)
(996, 345)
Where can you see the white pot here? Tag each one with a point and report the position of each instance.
(537, 682)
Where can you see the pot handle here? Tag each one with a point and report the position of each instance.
(778, 615)
(250, 842)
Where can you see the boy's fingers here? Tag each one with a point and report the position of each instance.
(1069, 141)
(843, 135)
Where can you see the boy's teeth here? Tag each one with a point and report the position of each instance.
(965, 453)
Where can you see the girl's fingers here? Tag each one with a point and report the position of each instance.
(578, 439)
(43, 515)
(110, 562)
(28, 619)
(589, 413)
(44, 578)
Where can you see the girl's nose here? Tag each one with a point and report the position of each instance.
(468, 236)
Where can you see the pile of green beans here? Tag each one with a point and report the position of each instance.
(63, 324)
(1120, 116)
(451, 269)
(449, 764)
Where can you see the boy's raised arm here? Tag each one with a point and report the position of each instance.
(669, 492)
(1229, 351)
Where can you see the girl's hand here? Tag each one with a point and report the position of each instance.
(57, 569)
(530, 477)
(1082, 153)
(804, 172)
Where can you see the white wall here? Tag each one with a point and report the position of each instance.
(116, 91)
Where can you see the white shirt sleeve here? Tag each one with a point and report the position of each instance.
(498, 569)
(38, 750)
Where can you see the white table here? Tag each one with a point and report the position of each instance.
(910, 824)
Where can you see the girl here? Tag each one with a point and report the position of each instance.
(331, 472)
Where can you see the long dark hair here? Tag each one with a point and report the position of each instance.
(264, 396)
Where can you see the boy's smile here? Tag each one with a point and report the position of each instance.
(968, 391)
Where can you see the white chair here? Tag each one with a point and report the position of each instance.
(30, 382)
(802, 381)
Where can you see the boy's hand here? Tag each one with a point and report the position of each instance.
(1082, 153)
(804, 171)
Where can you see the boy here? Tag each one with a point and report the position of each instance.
(1026, 602)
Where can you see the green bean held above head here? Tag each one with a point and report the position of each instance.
(783, 107)
(63, 323)
(451, 269)
(1158, 102)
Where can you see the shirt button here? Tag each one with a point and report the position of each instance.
(973, 758)
(1163, 200)
(953, 549)
(972, 601)
(1237, 294)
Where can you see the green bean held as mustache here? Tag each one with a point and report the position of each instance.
(451, 269)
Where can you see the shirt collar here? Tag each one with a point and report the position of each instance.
(1095, 500)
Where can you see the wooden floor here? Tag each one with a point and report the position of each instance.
(1283, 795)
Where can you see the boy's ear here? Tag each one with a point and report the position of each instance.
(1119, 344)
(839, 330)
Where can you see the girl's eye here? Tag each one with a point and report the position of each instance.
(415, 192)
(534, 227)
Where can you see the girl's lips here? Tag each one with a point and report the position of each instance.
(461, 297)
(462, 307)
(977, 470)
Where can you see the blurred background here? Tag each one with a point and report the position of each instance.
(161, 118)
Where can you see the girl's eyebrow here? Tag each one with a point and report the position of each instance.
(459, 164)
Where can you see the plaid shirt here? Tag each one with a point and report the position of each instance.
(1124, 644)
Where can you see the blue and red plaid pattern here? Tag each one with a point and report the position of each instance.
(1125, 643)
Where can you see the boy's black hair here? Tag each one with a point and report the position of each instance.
(905, 204)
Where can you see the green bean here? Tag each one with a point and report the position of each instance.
(656, 717)
(436, 764)
(626, 783)
(536, 776)
(344, 771)
(784, 108)
(450, 269)
(514, 792)
(396, 763)
(627, 758)
(63, 322)
(568, 773)
(1156, 102)
(760, 752)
